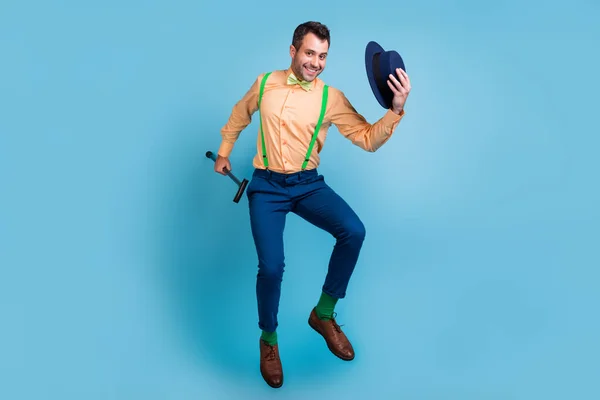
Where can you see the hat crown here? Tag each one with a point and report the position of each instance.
(387, 61)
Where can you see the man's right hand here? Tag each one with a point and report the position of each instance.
(221, 163)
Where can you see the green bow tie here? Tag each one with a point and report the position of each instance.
(292, 80)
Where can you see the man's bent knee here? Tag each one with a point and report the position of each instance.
(354, 230)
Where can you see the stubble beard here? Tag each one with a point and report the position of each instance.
(299, 72)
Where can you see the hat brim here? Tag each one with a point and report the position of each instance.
(372, 49)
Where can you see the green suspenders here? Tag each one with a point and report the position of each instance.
(262, 134)
(315, 134)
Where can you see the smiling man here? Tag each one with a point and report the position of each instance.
(296, 109)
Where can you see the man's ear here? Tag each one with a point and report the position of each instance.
(292, 50)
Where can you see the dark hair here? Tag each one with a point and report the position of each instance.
(317, 28)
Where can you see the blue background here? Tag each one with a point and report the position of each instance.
(127, 272)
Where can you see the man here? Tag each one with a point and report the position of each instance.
(293, 104)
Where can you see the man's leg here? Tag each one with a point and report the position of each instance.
(268, 207)
(324, 208)
(268, 212)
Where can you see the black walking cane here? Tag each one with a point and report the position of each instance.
(241, 185)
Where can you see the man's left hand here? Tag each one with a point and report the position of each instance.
(401, 88)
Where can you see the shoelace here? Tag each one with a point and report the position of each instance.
(337, 327)
(271, 355)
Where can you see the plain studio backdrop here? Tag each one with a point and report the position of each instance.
(127, 271)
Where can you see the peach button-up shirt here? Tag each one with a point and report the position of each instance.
(289, 116)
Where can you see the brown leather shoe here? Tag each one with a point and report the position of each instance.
(270, 364)
(336, 340)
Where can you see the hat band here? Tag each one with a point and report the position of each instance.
(379, 79)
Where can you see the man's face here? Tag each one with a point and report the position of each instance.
(309, 60)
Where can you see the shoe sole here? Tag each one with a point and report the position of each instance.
(327, 343)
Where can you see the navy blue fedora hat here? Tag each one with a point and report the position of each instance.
(380, 64)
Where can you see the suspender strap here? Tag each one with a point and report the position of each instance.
(317, 127)
(262, 134)
(314, 138)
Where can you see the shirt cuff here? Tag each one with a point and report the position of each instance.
(390, 117)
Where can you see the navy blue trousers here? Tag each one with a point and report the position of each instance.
(271, 196)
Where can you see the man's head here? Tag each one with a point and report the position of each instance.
(308, 50)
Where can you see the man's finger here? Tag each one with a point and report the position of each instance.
(397, 83)
(403, 77)
(397, 88)
(406, 78)
(405, 83)
(400, 85)
(392, 87)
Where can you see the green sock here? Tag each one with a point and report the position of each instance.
(269, 337)
(325, 306)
